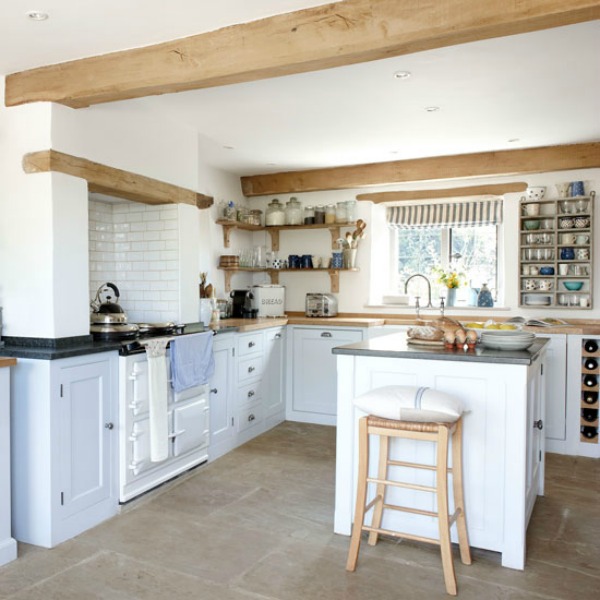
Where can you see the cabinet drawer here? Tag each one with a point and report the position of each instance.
(250, 343)
(249, 393)
(250, 416)
(250, 369)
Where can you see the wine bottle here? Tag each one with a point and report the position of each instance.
(590, 380)
(590, 346)
(589, 414)
(591, 364)
(590, 397)
(589, 432)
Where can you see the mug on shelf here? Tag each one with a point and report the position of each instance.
(567, 238)
(581, 240)
(577, 188)
(530, 285)
(306, 261)
(583, 253)
(532, 209)
(567, 253)
(566, 223)
(546, 285)
(294, 261)
(337, 260)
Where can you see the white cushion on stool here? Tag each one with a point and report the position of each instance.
(399, 402)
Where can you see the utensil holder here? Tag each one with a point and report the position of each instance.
(349, 258)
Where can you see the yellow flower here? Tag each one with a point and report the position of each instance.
(451, 279)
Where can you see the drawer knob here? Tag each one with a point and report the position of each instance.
(214, 391)
(250, 393)
(109, 426)
(538, 424)
(251, 344)
(326, 334)
(251, 417)
(277, 336)
(250, 369)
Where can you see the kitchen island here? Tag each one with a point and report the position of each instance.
(503, 443)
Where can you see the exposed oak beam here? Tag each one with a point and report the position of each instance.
(458, 192)
(113, 182)
(322, 37)
(483, 164)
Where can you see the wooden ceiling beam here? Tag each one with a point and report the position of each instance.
(332, 35)
(113, 182)
(498, 189)
(482, 164)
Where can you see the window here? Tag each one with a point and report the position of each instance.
(424, 237)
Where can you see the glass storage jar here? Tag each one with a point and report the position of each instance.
(351, 211)
(320, 215)
(293, 212)
(341, 216)
(309, 215)
(330, 213)
(275, 214)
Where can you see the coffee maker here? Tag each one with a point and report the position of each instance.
(242, 304)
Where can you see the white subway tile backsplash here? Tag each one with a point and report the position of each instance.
(136, 246)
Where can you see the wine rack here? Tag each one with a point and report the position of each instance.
(590, 386)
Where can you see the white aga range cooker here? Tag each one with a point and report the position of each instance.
(188, 427)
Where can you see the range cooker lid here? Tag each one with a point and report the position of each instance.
(113, 332)
(156, 328)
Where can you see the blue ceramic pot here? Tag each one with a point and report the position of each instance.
(547, 271)
(484, 298)
(567, 254)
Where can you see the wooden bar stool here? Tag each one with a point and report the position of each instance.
(415, 429)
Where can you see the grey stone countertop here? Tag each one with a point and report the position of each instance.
(396, 346)
(57, 348)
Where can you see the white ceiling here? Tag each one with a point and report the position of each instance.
(541, 88)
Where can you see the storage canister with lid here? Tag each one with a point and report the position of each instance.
(320, 215)
(275, 214)
(330, 213)
(340, 213)
(293, 212)
(309, 215)
(351, 211)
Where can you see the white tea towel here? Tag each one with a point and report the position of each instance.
(192, 360)
(157, 392)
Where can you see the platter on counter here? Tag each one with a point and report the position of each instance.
(507, 340)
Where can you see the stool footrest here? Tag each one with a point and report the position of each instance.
(414, 511)
(401, 463)
(398, 534)
(402, 484)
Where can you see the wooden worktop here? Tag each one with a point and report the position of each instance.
(7, 362)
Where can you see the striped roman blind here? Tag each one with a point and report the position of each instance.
(450, 214)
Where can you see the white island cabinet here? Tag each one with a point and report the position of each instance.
(8, 545)
(64, 446)
(503, 445)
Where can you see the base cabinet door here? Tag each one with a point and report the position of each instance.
(85, 436)
(314, 375)
(555, 421)
(221, 397)
(273, 379)
(64, 450)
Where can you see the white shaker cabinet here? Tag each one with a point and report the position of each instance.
(555, 421)
(312, 392)
(8, 545)
(64, 446)
(273, 384)
(221, 397)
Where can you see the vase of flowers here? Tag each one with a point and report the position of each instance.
(451, 280)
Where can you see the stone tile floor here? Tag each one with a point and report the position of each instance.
(258, 522)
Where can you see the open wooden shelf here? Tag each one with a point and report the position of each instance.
(334, 274)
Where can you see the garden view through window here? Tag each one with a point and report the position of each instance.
(468, 251)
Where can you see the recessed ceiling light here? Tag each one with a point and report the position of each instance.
(229, 147)
(513, 140)
(402, 74)
(432, 108)
(271, 164)
(37, 15)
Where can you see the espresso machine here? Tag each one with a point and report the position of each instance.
(242, 305)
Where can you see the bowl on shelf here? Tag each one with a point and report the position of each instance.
(531, 224)
(535, 193)
(546, 270)
(573, 286)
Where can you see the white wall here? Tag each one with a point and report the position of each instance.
(360, 292)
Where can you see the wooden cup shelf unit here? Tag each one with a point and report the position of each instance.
(334, 230)
(563, 225)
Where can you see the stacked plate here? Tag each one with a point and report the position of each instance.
(507, 340)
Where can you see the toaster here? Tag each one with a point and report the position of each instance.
(321, 305)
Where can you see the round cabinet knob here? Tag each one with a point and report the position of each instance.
(251, 417)
(250, 393)
(251, 344)
(214, 391)
(250, 369)
(538, 424)
(109, 426)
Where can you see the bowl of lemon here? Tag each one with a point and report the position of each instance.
(480, 327)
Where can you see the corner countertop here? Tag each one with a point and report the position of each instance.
(396, 346)
(7, 362)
